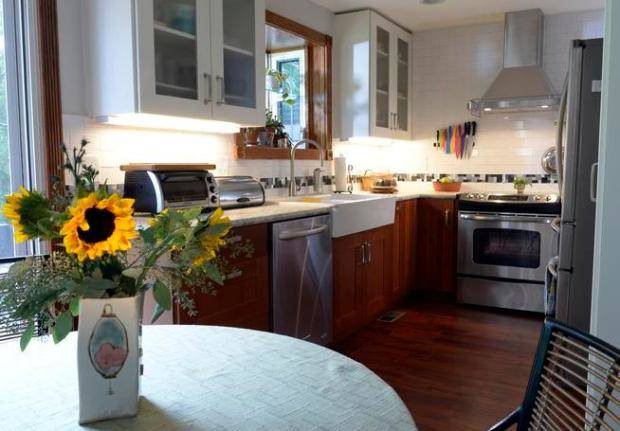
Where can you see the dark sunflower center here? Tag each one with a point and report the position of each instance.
(101, 223)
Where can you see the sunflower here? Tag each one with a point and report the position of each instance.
(213, 237)
(11, 212)
(99, 226)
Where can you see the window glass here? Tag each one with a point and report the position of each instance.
(291, 110)
(7, 248)
(507, 247)
(17, 113)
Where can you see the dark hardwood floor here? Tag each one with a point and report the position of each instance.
(455, 367)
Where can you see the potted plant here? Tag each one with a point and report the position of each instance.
(101, 269)
(519, 183)
(274, 129)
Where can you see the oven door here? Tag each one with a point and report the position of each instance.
(509, 246)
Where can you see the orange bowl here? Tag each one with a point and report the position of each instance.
(447, 187)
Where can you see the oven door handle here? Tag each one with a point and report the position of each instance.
(509, 218)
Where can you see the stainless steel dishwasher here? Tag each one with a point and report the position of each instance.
(301, 279)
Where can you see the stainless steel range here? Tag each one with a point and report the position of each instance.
(504, 244)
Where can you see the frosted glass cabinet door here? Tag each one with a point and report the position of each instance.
(239, 55)
(402, 82)
(382, 85)
(173, 35)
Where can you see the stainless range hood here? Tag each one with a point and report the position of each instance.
(522, 85)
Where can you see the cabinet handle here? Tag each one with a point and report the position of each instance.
(446, 216)
(363, 254)
(369, 248)
(209, 88)
(220, 89)
(233, 239)
(235, 274)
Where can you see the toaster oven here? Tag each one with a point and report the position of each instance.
(155, 190)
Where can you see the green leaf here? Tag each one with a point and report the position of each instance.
(62, 327)
(217, 229)
(26, 336)
(134, 273)
(158, 310)
(148, 235)
(162, 296)
(192, 213)
(74, 306)
(214, 273)
(97, 274)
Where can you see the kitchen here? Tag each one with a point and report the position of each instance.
(429, 221)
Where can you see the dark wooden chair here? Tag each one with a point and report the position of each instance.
(574, 384)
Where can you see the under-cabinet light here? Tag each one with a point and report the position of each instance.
(163, 122)
(487, 109)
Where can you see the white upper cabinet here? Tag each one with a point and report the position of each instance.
(375, 58)
(199, 59)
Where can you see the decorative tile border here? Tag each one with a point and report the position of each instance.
(308, 181)
(277, 182)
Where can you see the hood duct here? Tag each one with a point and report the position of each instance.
(522, 85)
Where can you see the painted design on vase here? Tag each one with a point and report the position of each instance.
(108, 346)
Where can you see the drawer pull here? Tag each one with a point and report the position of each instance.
(234, 239)
(235, 274)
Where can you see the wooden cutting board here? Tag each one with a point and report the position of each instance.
(167, 167)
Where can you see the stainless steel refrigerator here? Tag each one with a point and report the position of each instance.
(577, 155)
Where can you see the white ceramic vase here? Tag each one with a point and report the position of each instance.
(109, 356)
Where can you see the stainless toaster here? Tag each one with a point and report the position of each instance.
(239, 191)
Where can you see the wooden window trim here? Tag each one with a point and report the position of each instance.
(51, 105)
(318, 90)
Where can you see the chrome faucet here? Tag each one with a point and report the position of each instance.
(292, 187)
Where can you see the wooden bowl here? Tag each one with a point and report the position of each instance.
(447, 187)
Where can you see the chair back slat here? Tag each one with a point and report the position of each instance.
(574, 385)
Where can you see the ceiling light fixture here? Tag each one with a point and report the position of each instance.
(544, 106)
(487, 109)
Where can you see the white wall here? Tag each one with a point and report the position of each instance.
(606, 288)
(453, 65)
(111, 146)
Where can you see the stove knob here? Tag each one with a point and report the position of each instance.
(537, 198)
(471, 196)
(548, 198)
(480, 196)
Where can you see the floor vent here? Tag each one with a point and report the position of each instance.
(391, 316)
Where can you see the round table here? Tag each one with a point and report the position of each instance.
(206, 378)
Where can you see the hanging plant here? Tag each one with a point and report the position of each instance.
(277, 82)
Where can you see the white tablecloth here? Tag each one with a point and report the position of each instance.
(207, 378)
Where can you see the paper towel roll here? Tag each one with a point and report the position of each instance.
(340, 169)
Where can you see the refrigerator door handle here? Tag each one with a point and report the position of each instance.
(593, 178)
(559, 153)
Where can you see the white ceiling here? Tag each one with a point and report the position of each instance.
(416, 16)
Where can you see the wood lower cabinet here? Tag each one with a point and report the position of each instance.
(243, 300)
(362, 274)
(404, 242)
(436, 245)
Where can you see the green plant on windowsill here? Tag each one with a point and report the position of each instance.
(277, 82)
(520, 183)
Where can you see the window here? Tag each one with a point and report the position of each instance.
(18, 112)
(293, 115)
